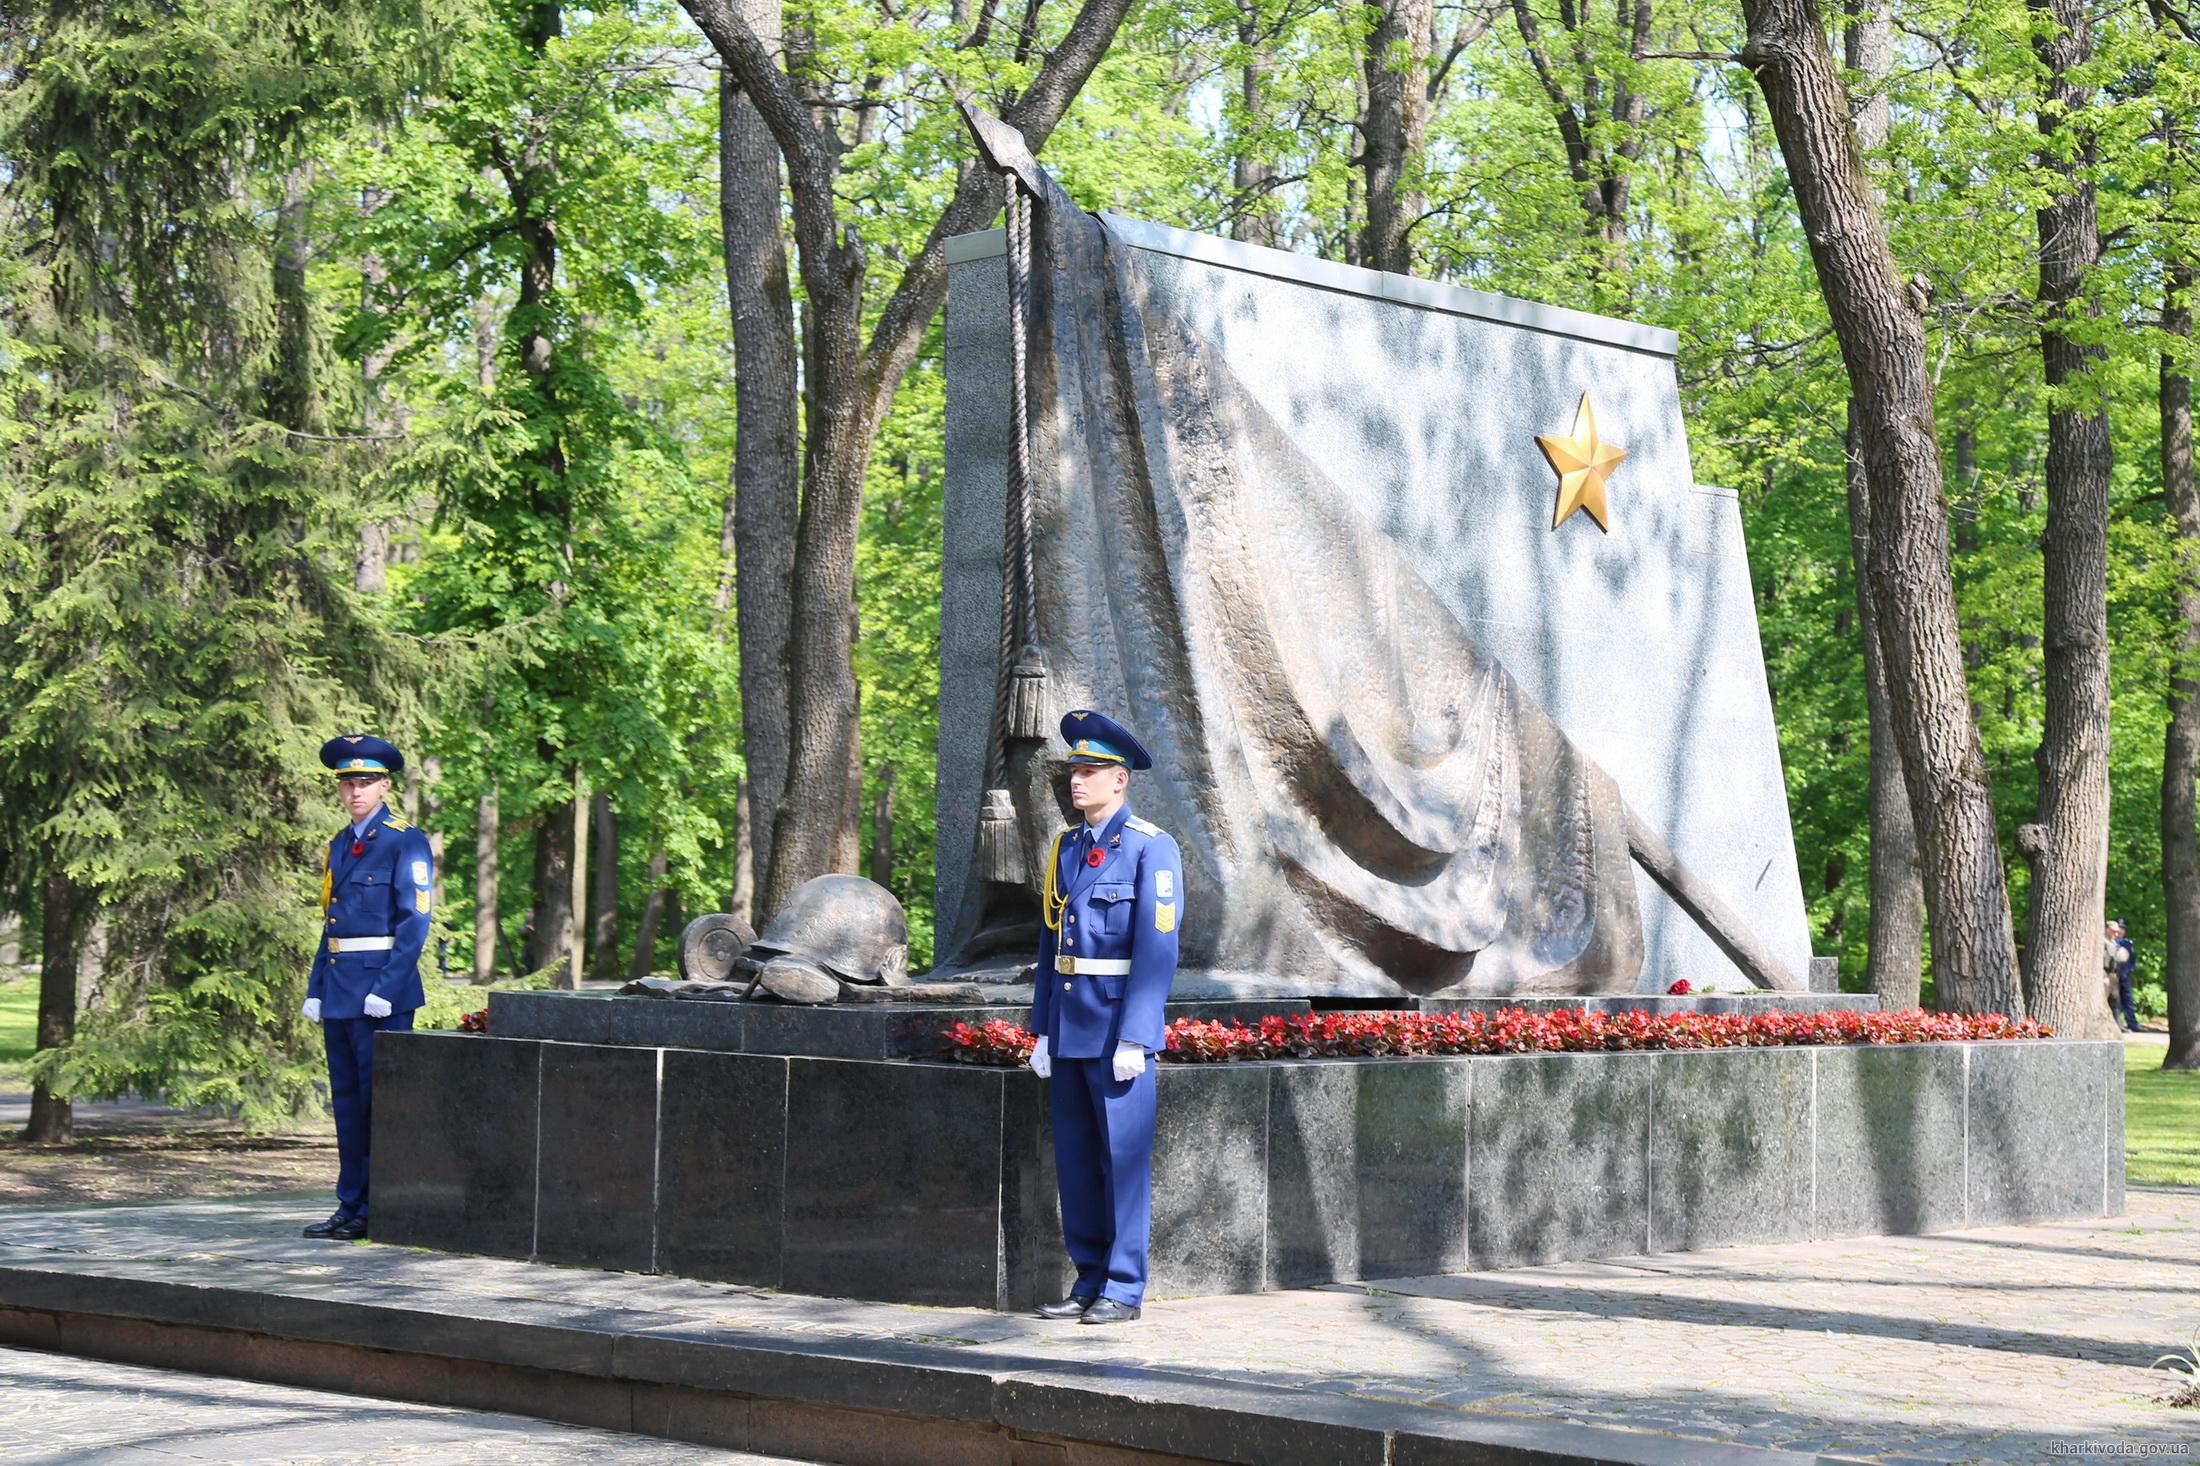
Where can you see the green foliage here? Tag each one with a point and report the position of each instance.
(571, 528)
(176, 623)
(189, 454)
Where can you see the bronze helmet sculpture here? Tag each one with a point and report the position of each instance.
(834, 929)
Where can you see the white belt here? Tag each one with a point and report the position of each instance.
(1094, 966)
(370, 944)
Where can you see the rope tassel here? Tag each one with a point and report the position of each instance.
(1027, 693)
(1000, 846)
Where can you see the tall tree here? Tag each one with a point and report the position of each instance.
(2181, 750)
(603, 900)
(1895, 960)
(487, 830)
(2068, 843)
(2181, 741)
(176, 612)
(1394, 132)
(529, 168)
(1879, 321)
(1253, 172)
(762, 510)
(850, 383)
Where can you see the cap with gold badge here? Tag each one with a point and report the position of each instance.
(1096, 738)
(361, 756)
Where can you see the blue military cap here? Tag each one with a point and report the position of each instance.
(1096, 738)
(361, 755)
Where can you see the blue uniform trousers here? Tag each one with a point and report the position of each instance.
(350, 1043)
(1103, 1162)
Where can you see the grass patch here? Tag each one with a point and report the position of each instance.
(18, 1032)
(2161, 1119)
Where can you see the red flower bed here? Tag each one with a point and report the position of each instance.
(1386, 1034)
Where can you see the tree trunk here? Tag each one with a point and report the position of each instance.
(882, 829)
(431, 810)
(486, 928)
(1879, 322)
(550, 945)
(64, 920)
(1396, 129)
(488, 329)
(603, 901)
(848, 389)
(2181, 746)
(761, 515)
(371, 571)
(576, 952)
(293, 382)
(645, 933)
(2068, 847)
(1895, 963)
(743, 900)
(1254, 218)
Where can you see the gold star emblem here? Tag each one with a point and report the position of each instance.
(1582, 462)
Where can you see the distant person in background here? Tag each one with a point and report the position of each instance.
(2119, 959)
(2111, 956)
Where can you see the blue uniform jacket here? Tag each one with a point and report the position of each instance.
(1123, 916)
(382, 892)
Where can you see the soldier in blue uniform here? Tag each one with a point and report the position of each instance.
(366, 977)
(1113, 900)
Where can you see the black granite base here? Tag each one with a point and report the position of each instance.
(934, 1183)
(839, 1031)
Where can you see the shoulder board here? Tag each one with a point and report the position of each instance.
(1144, 827)
(396, 824)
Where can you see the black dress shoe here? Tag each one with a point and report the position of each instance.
(1107, 1310)
(328, 1228)
(1071, 1307)
(351, 1229)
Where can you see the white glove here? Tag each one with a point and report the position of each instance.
(1041, 1065)
(377, 1006)
(1130, 1061)
(312, 1010)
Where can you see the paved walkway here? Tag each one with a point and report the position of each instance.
(2002, 1344)
(57, 1410)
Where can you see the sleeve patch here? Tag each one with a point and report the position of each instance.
(1164, 884)
(420, 872)
(420, 898)
(1164, 916)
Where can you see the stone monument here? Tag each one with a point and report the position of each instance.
(1449, 667)
(1454, 685)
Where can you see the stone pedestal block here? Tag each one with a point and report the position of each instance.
(934, 1183)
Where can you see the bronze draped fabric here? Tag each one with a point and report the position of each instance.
(1366, 802)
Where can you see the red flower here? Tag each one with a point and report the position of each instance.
(1386, 1033)
(477, 1022)
(1680, 988)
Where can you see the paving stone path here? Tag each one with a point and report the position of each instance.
(57, 1410)
(2003, 1344)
